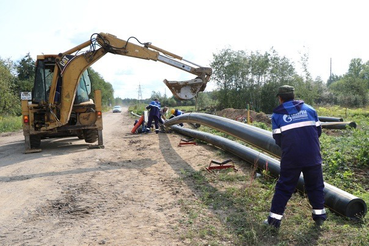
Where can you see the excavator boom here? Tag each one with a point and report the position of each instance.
(182, 90)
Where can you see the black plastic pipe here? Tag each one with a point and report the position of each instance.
(338, 125)
(250, 155)
(339, 201)
(330, 119)
(134, 114)
(252, 135)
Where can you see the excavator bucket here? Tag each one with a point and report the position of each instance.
(185, 90)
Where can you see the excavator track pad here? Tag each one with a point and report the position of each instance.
(30, 151)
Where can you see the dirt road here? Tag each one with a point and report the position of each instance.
(126, 194)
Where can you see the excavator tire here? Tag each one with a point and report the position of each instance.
(90, 135)
(80, 135)
(35, 141)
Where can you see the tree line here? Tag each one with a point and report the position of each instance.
(253, 78)
(17, 77)
(204, 100)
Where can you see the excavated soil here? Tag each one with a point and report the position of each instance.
(241, 115)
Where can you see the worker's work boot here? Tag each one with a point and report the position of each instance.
(274, 223)
(319, 222)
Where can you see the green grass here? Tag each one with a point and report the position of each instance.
(228, 207)
(346, 153)
(10, 123)
(14, 123)
(137, 108)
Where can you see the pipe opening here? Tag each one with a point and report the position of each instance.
(356, 209)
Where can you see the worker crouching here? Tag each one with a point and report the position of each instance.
(176, 112)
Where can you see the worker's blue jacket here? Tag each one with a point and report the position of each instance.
(296, 129)
(177, 112)
(154, 108)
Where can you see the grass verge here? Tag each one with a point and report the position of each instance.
(10, 123)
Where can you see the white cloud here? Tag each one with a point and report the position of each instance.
(192, 29)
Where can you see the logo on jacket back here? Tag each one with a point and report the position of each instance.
(302, 115)
(287, 118)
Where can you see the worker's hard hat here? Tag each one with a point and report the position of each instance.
(285, 90)
(172, 111)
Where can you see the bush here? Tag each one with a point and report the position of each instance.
(10, 123)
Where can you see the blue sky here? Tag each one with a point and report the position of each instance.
(192, 29)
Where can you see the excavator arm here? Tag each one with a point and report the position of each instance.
(71, 64)
(148, 51)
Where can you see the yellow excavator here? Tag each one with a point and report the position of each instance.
(60, 103)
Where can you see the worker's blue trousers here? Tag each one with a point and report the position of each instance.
(156, 122)
(287, 183)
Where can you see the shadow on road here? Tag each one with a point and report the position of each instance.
(240, 218)
(137, 164)
(13, 152)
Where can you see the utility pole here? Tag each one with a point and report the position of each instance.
(330, 72)
(139, 93)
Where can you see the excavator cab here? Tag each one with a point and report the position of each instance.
(43, 79)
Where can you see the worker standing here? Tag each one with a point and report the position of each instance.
(296, 129)
(154, 114)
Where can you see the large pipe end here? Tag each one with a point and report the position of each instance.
(344, 203)
(352, 124)
(356, 209)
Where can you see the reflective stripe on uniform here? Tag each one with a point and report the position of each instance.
(277, 131)
(275, 216)
(319, 211)
(296, 125)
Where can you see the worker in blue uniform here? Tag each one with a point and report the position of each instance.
(176, 112)
(296, 129)
(154, 115)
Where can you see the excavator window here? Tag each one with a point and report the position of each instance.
(83, 88)
(44, 76)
